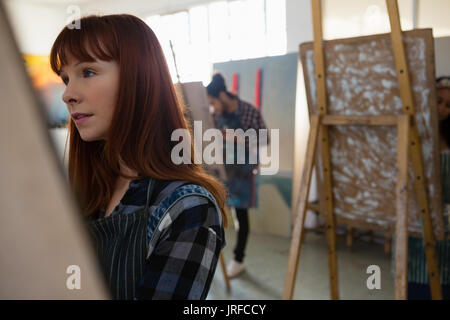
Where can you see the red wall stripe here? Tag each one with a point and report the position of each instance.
(258, 89)
(235, 83)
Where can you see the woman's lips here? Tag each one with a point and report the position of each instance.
(83, 119)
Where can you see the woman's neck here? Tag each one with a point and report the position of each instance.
(126, 171)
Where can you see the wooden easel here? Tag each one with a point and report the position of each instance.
(408, 147)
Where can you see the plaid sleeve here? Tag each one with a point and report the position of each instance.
(218, 121)
(184, 260)
(258, 123)
(252, 118)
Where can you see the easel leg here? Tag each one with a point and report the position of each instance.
(372, 236)
(401, 250)
(387, 244)
(349, 236)
(319, 62)
(221, 258)
(428, 234)
(431, 257)
(299, 211)
(224, 271)
(332, 256)
(330, 217)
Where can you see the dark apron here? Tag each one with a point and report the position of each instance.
(122, 244)
(241, 178)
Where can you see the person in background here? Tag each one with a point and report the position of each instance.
(443, 102)
(230, 112)
(418, 285)
(157, 226)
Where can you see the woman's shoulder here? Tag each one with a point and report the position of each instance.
(138, 190)
(185, 194)
(174, 195)
(186, 214)
(164, 190)
(186, 208)
(191, 203)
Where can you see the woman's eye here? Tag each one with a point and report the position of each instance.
(88, 73)
(65, 80)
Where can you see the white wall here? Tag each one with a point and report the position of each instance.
(442, 49)
(298, 23)
(434, 14)
(35, 26)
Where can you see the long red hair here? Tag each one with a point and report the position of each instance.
(146, 114)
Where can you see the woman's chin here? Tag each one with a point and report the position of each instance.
(89, 138)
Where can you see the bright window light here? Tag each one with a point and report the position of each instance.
(362, 17)
(276, 27)
(220, 31)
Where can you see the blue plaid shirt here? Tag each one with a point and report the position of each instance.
(184, 249)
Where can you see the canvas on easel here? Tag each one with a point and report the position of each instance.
(361, 80)
(373, 122)
(193, 98)
(44, 246)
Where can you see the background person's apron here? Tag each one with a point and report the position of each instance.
(241, 181)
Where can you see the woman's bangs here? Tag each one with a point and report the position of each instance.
(82, 44)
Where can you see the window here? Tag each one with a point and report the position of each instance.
(220, 31)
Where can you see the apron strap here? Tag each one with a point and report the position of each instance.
(168, 190)
(151, 186)
(164, 193)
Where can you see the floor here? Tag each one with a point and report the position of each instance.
(266, 263)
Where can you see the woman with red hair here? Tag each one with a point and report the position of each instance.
(157, 226)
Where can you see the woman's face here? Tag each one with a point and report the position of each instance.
(91, 88)
(443, 102)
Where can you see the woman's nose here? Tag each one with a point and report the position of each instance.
(70, 96)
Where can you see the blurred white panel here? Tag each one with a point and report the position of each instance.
(352, 18)
(435, 14)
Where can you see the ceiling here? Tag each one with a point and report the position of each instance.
(58, 2)
(117, 6)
